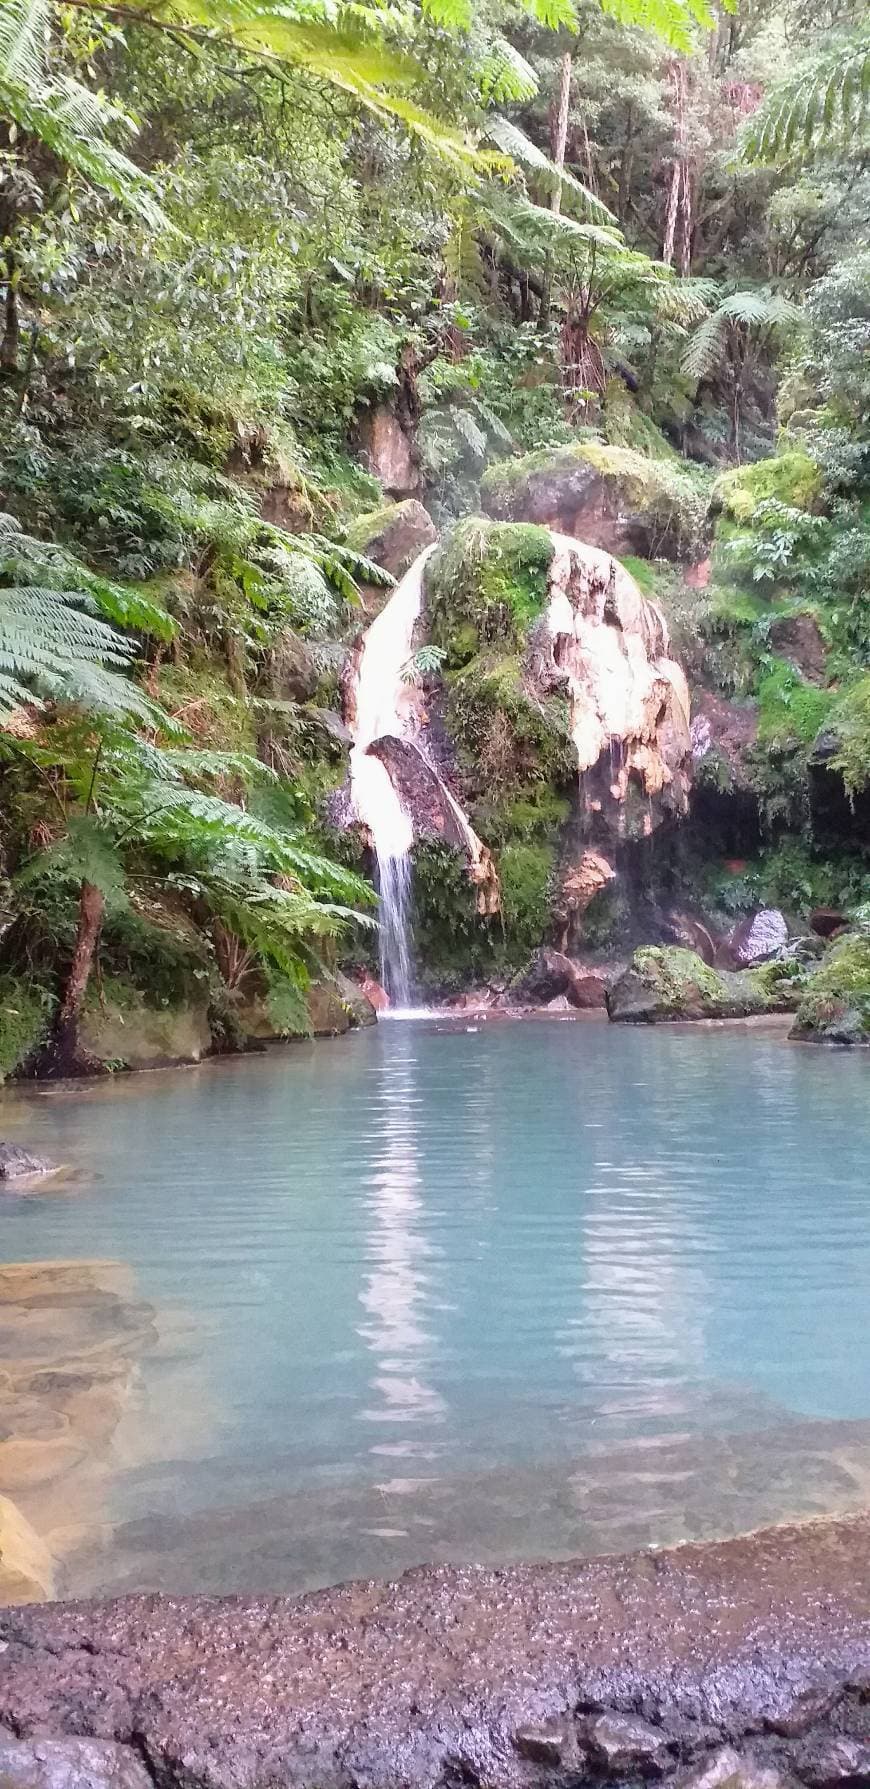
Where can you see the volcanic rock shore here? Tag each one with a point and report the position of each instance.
(745, 1663)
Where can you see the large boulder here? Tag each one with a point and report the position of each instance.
(551, 976)
(759, 938)
(393, 536)
(665, 983)
(389, 452)
(609, 497)
(124, 1030)
(835, 1008)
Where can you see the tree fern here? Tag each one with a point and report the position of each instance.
(754, 309)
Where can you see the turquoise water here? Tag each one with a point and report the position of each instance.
(436, 1291)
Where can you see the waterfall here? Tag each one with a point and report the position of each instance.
(385, 704)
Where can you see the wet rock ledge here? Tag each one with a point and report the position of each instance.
(744, 1663)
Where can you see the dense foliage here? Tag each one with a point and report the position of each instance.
(237, 236)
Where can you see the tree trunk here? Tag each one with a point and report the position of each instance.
(559, 140)
(12, 327)
(62, 1055)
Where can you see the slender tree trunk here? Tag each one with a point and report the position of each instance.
(62, 1055)
(560, 124)
(559, 141)
(678, 212)
(12, 326)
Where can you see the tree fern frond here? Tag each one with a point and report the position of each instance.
(676, 21)
(513, 142)
(504, 76)
(825, 106)
(759, 309)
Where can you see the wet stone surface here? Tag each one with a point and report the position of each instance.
(744, 1663)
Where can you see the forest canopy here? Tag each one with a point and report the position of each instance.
(239, 242)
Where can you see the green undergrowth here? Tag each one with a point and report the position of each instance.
(25, 1013)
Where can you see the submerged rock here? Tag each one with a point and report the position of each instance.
(26, 1565)
(609, 497)
(666, 983)
(19, 1164)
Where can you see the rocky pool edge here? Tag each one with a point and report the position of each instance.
(743, 1663)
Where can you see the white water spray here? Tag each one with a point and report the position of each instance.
(385, 707)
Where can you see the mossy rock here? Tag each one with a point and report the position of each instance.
(122, 1029)
(791, 478)
(610, 497)
(665, 982)
(505, 740)
(486, 585)
(274, 1010)
(393, 535)
(836, 1005)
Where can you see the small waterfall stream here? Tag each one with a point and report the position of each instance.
(384, 707)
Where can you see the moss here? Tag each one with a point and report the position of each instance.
(25, 1012)
(537, 812)
(489, 576)
(849, 721)
(836, 1005)
(789, 708)
(202, 699)
(368, 526)
(526, 875)
(791, 478)
(454, 946)
(676, 974)
(505, 741)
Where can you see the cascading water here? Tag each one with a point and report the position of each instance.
(385, 707)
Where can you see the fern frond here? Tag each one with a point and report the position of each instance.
(513, 142)
(504, 76)
(760, 309)
(76, 124)
(678, 22)
(826, 106)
